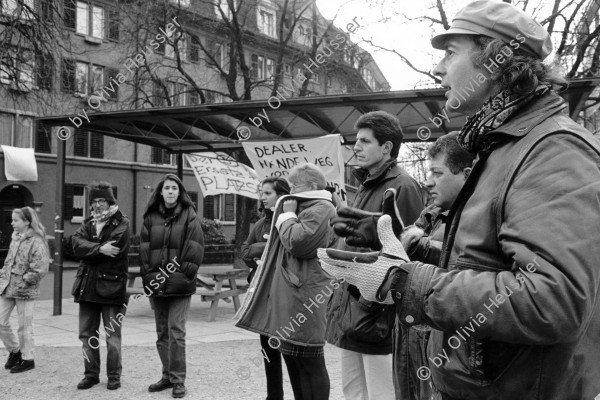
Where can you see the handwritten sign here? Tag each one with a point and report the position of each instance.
(219, 173)
(277, 158)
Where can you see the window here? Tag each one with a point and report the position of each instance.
(220, 53)
(195, 48)
(287, 69)
(18, 8)
(367, 74)
(18, 69)
(83, 78)
(43, 139)
(162, 157)
(194, 97)
(177, 93)
(262, 67)
(316, 78)
(266, 22)
(329, 82)
(88, 144)
(90, 19)
(221, 207)
(222, 5)
(180, 3)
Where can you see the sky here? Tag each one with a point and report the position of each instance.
(383, 22)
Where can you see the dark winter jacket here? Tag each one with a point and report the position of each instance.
(171, 251)
(290, 289)
(100, 278)
(354, 323)
(25, 265)
(519, 273)
(254, 246)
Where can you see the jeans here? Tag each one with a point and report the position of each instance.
(171, 314)
(366, 376)
(273, 371)
(309, 377)
(25, 315)
(90, 336)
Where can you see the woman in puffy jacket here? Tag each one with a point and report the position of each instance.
(252, 250)
(171, 251)
(25, 265)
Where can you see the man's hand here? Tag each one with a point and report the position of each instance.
(360, 227)
(290, 206)
(410, 238)
(368, 271)
(109, 250)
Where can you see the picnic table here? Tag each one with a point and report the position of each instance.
(208, 291)
(213, 294)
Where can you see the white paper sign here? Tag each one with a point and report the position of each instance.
(219, 173)
(277, 158)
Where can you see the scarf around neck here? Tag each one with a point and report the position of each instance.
(104, 215)
(475, 135)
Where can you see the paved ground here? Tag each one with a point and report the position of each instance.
(224, 362)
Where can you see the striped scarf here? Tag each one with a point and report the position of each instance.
(474, 136)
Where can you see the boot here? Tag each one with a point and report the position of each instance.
(22, 366)
(13, 359)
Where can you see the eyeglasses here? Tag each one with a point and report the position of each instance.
(100, 202)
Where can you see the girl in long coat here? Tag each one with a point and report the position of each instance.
(25, 265)
(171, 251)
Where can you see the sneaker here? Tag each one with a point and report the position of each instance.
(13, 359)
(113, 384)
(87, 383)
(160, 385)
(22, 366)
(178, 390)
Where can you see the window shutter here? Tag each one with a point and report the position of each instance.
(229, 207)
(209, 207)
(80, 143)
(194, 198)
(44, 70)
(68, 203)
(96, 145)
(195, 49)
(68, 75)
(70, 11)
(109, 86)
(43, 137)
(114, 189)
(113, 25)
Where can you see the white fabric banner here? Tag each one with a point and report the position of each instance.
(277, 158)
(219, 173)
(19, 164)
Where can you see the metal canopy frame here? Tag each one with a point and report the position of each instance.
(214, 127)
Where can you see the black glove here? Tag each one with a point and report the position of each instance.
(360, 227)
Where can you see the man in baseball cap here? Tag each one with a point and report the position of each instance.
(514, 301)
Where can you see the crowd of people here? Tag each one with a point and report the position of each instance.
(483, 286)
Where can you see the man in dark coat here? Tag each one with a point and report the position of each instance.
(515, 300)
(361, 328)
(101, 243)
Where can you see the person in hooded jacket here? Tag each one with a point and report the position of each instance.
(252, 250)
(101, 244)
(171, 251)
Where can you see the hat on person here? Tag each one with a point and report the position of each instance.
(102, 190)
(502, 21)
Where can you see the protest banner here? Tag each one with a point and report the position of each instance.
(219, 173)
(277, 158)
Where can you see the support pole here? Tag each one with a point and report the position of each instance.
(59, 226)
(180, 166)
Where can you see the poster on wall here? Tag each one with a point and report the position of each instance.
(277, 158)
(219, 173)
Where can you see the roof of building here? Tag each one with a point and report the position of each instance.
(223, 126)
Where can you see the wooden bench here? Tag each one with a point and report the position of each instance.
(219, 275)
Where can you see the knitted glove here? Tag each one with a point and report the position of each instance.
(367, 271)
(360, 227)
